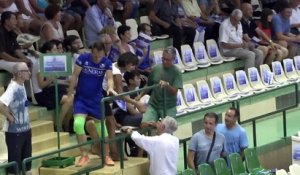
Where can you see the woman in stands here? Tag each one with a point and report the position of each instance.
(43, 87)
(265, 26)
(52, 28)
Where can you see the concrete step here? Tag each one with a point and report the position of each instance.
(49, 140)
(40, 127)
(133, 166)
(36, 112)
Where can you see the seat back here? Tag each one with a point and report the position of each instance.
(133, 28)
(205, 169)
(217, 88)
(236, 163)
(294, 169)
(297, 64)
(117, 24)
(157, 57)
(200, 54)
(180, 104)
(221, 167)
(190, 95)
(188, 172)
(251, 158)
(145, 19)
(204, 92)
(230, 84)
(267, 75)
(279, 75)
(178, 62)
(254, 78)
(188, 58)
(75, 32)
(289, 69)
(281, 172)
(213, 51)
(242, 81)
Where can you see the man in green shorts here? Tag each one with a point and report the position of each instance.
(169, 77)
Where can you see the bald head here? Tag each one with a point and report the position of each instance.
(19, 67)
(247, 10)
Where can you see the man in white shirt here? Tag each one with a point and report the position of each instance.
(295, 18)
(232, 44)
(162, 149)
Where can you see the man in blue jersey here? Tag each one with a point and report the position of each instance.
(235, 135)
(89, 72)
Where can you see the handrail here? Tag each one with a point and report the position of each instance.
(10, 164)
(102, 140)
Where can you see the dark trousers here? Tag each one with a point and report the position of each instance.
(178, 34)
(19, 147)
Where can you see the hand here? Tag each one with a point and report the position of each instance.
(272, 45)
(111, 91)
(163, 84)
(166, 25)
(143, 78)
(137, 98)
(108, 13)
(140, 106)
(245, 45)
(11, 118)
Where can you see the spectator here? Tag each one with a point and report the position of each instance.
(107, 41)
(265, 25)
(165, 20)
(10, 50)
(164, 161)
(125, 37)
(96, 17)
(128, 7)
(295, 18)
(232, 44)
(235, 135)
(59, 45)
(52, 28)
(169, 77)
(72, 44)
(14, 106)
(89, 71)
(281, 29)
(115, 48)
(208, 7)
(206, 145)
(78, 6)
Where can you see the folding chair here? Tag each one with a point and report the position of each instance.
(267, 76)
(289, 70)
(281, 172)
(204, 93)
(253, 164)
(133, 28)
(205, 169)
(180, 104)
(237, 165)
(188, 172)
(218, 90)
(230, 86)
(279, 75)
(243, 83)
(157, 57)
(75, 32)
(201, 55)
(297, 64)
(145, 19)
(221, 167)
(294, 169)
(190, 97)
(188, 58)
(254, 80)
(178, 62)
(214, 52)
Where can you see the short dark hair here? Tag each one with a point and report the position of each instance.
(47, 46)
(127, 58)
(142, 27)
(264, 17)
(130, 76)
(69, 40)
(98, 45)
(281, 5)
(122, 29)
(236, 112)
(212, 115)
(51, 11)
(6, 16)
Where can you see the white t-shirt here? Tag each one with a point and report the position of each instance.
(115, 71)
(16, 100)
(163, 152)
(229, 34)
(13, 8)
(295, 18)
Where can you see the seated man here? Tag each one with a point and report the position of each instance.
(295, 18)
(165, 20)
(96, 17)
(281, 29)
(232, 44)
(10, 50)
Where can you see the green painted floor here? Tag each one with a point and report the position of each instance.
(269, 129)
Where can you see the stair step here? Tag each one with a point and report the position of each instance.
(40, 127)
(48, 140)
(133, 166)
(36, 112)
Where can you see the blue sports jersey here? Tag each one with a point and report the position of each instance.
(91, 76)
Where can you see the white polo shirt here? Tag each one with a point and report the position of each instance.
(229, 34)
(295, 18)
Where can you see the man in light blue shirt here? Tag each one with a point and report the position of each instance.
(96, 17)
(235, 135)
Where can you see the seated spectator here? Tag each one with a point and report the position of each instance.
(59, 45)
(125, 37)
(96, 17)
(52, 29)
(206, 145)
(44, 90)
(281, 29)
(232, 44)
(30, 14)
(10, 50)
(70, 20)
(106, 39)
(165, 20)
(295, 18)
(115, 48)
(279, 53)
(72, 44)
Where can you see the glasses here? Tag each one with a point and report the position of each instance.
(23, 70)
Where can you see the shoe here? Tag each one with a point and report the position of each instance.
(82, 161)
(109, 161)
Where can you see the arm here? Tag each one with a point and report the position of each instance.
(5, 56)
(73, 80)
(289, 37)
(110, 82)
(4, 110)
(231, 45)
(93, 19)
(190, 159)
(35, 6)
(22, 8)
(144, 142)
(47, 32)
(42, 82)
(168, 87)
(263, 35)
(157, 20)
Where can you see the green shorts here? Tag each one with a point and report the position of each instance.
(153, 114)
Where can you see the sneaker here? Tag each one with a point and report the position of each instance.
(82, 161)
(109, 161)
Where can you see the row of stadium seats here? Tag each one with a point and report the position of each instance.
(231, 87)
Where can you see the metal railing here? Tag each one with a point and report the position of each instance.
(10, 164)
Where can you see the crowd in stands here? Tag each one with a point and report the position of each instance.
(122, 66)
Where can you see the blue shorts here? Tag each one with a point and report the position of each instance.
(87, 106)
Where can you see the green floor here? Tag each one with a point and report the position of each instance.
(268, 130)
